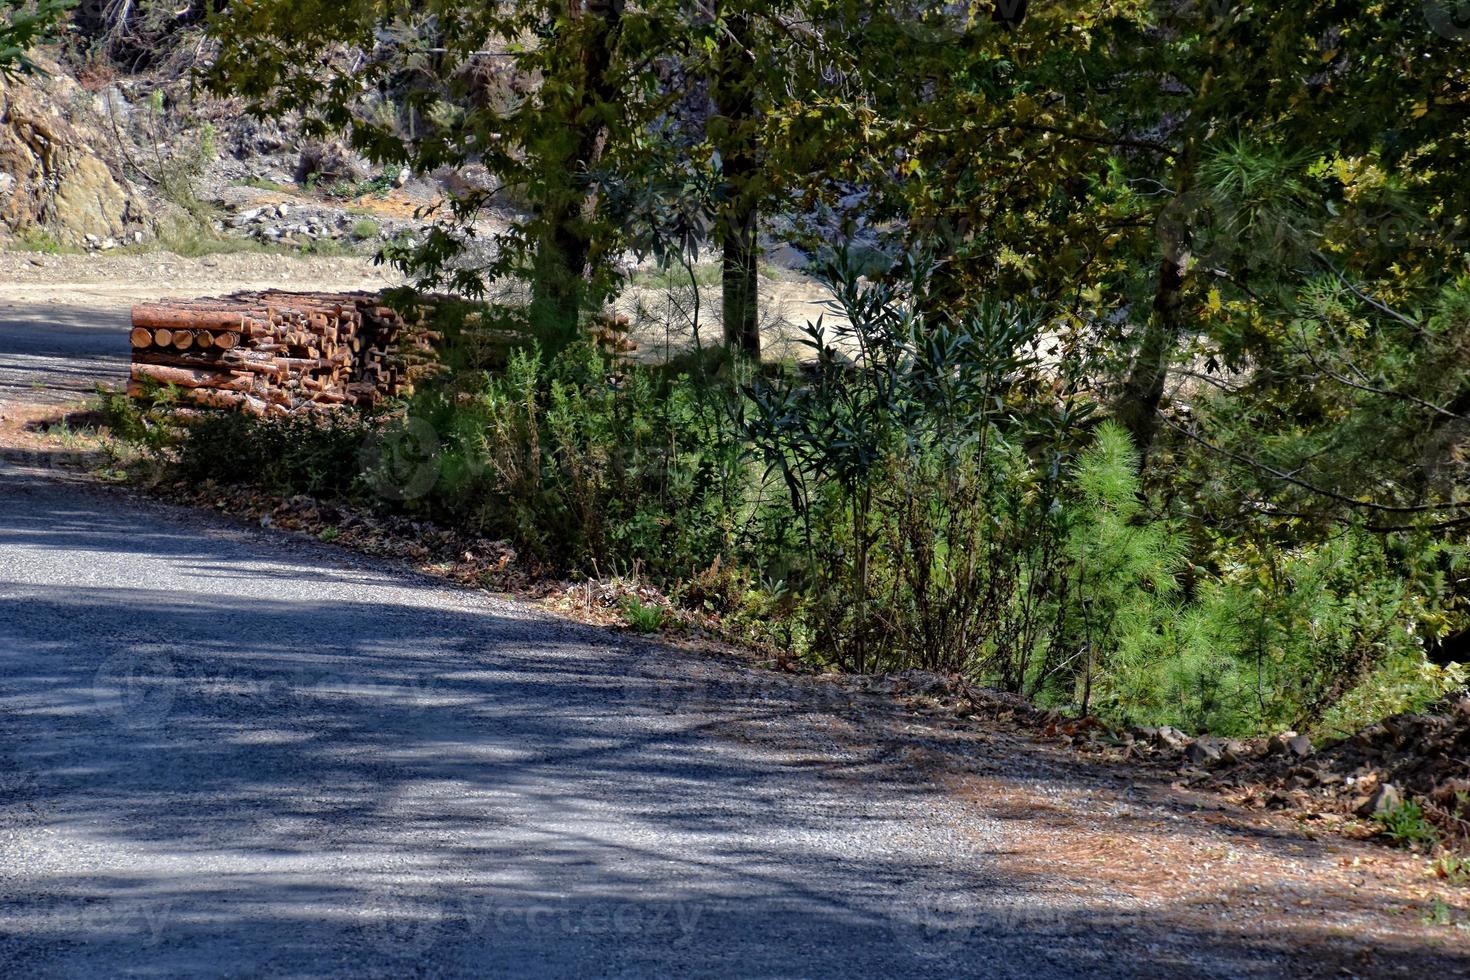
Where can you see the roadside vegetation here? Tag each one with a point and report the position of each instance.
(1144, 391)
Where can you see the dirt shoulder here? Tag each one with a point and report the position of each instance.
(118, 279)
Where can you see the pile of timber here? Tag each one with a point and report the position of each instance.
(275, 353)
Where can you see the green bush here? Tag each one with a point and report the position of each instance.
(312, 454)
(922, 495)
(643, 618)
(587, 465)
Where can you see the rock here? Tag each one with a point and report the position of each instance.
(403, 177)
(1299, 746)
(329, 161)
(55, 178)
(1383, 800)
(1203, 752)
(925, 682)
(884, 685)
(1303, 776)
(1172, 738)
(1275, 745)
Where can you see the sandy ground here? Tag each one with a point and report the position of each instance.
(114, 281)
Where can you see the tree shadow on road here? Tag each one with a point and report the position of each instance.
(214, 769)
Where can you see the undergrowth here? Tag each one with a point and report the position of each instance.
(926, 490)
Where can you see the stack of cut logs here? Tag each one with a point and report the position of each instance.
(275, 353)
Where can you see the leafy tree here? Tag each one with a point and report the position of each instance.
(555, 100)
(23, 25)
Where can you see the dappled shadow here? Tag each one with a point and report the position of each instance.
(226, 755)
(53, 354)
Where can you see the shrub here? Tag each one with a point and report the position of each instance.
(1405, 824)
(313, 454)
(643, 618)
(926, 493)
(585, 463)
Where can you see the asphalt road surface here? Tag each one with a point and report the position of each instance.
(55, 354)
(227, 754)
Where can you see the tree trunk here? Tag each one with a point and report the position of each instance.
(734, 96)
(1138, 408)
(564, 252)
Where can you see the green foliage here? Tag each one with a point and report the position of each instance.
(38, 240)
(643, 618)
(146, 423)
(24, 24)
(1406, 825)
(583, 462)
(317, 455)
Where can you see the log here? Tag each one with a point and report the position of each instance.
(170, 317)
(288, 352)
(187, 378)
(226, 399)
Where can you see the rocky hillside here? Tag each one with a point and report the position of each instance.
(60, 173)
(92, 159)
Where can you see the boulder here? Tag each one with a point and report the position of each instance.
(58, 169)
(1203, 752)
(1384, 799)
(1172, 738)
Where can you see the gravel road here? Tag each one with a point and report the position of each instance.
(229, 752)
(231, 756)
